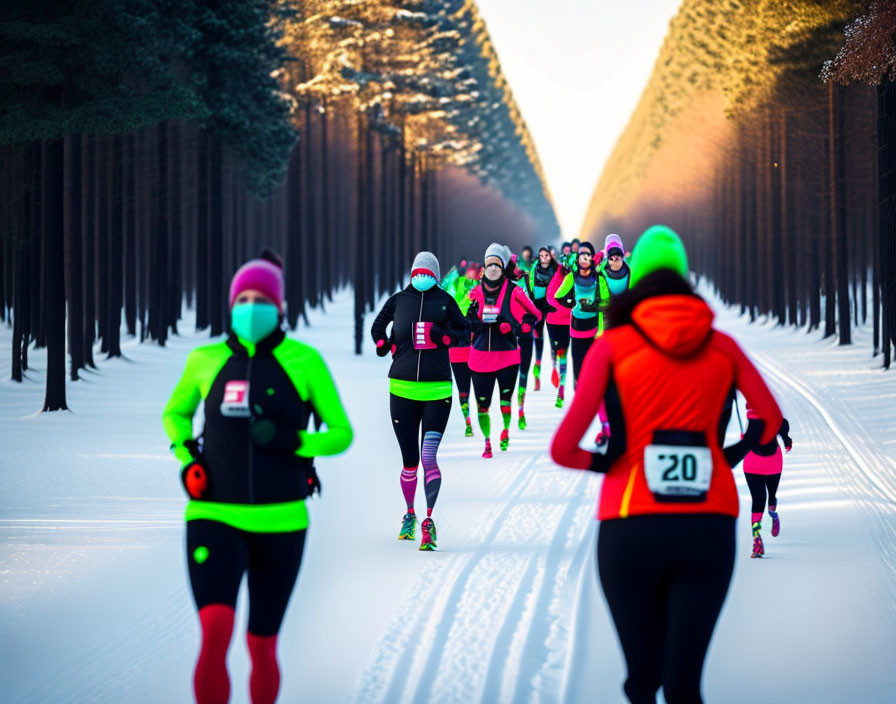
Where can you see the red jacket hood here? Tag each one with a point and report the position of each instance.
(678, 325)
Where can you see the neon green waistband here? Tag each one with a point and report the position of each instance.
(254, 518)
(420, 390)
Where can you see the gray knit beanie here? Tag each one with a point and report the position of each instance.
(426, 263)
(496, 250)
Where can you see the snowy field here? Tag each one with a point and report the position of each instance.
(96, 606)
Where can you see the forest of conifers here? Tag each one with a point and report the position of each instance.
(768, 140)
(148, 147)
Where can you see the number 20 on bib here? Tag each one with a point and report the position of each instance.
(678, 472)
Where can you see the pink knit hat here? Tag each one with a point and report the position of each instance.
(261, 275)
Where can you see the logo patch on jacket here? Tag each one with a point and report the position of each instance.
(236, 400)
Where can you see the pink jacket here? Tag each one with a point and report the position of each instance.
(562, 315)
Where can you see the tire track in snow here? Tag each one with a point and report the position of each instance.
(869, 480)
(492, 629)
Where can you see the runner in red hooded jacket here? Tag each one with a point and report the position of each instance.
(668, 502)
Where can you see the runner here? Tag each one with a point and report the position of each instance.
(558, 321)
(668, 503)
(495, 355)
(539, 278)
(583, 284)
(426, 321)
(248, 473)
(528, 316)
(762, 470)
(614, 276)
(459, 354)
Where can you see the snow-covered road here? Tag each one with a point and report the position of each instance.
(96, 607)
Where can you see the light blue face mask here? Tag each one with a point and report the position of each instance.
(423, 282)
(254, 321)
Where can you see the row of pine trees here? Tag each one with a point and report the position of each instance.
(148, 147)
(767, 136)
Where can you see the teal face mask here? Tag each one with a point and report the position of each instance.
(423, 282)
(254, 321)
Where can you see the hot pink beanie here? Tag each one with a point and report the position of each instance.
(261, 275)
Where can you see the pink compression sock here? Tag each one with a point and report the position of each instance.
(211, 685)
(409, 485)
(755, 517)
(264, 682)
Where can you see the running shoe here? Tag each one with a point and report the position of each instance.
(505, 440)
(758, 547)
(522, 422)
(776, 523)
(488, 448)
(559, 402)
(468, 433)
(427, 534)
(408, 527)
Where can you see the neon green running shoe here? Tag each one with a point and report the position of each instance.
(408, 527)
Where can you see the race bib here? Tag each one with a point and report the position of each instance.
(236, 400)
(421, 336)
(490, 314)
(678, 466)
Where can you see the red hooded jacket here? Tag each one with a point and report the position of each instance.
(671, 370)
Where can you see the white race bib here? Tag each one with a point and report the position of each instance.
(236, 399)
(490, 313)
(678, 472)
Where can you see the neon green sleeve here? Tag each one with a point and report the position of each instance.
(203, 365)
(177, 417)
(312, 379)
(324, 396)
(564, 287)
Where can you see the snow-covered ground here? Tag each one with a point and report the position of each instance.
(95, 605)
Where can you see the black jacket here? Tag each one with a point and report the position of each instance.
(403, 310)
(241, 471)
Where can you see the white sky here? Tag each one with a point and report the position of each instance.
(577, 69)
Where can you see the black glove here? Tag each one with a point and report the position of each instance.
(383, 347)
(313, 480)
(273, 436)
(734, 454)
(439, 335)
(567, 302)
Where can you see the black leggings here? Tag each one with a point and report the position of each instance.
(665, 578)
(539, 339)
(559, 335)
(484, 386)
(217, 557)
(462, 377)
(580, 347)
(758, 484)
(526, 344)
(419, 426)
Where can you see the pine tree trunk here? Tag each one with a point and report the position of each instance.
(175, 229)
(101, 222)
(130, 235)
(217, 297)
(88, 239)
(886, 135)
(72, 233)
(838, 209)
(54, 259)
(202, 233)
(114, 212)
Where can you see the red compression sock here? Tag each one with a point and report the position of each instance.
(264, 682)
(211, 684)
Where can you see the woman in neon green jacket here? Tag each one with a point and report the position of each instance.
(248, 473)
